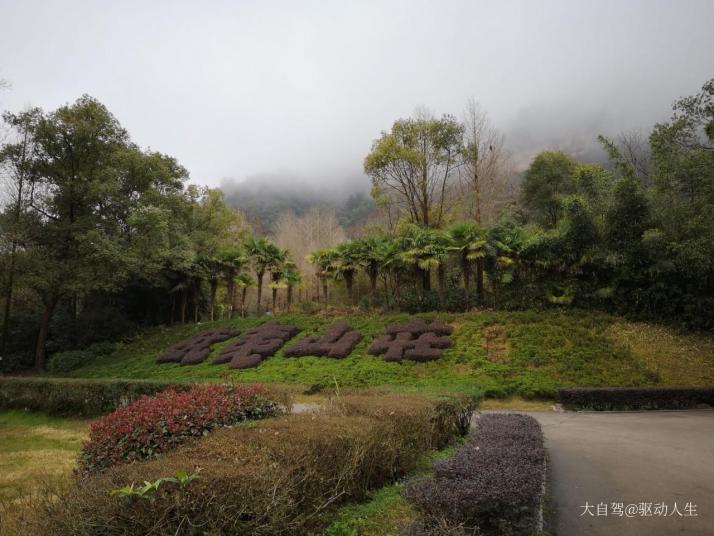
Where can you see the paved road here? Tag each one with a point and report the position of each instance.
(647, 457)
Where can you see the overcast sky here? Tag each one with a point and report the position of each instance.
(235, 89)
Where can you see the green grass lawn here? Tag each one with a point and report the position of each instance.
(36, 450)
(500, 353)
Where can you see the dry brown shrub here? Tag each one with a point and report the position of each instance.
(271, 477)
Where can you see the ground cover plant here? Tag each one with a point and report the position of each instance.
(535, 354)
(417, 340)
(493, 485)
(153, 425)
(338, 341)
(197, 348)
(257, 344)
(292, 469)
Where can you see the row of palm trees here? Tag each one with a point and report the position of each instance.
(413, 255)
(239, 267)
(419, 251)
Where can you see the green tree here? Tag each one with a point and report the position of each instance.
(276, 267)
(16, 159)
(468, 240)
(346, 261)
(422, 249)
(322, 260)
(87, 181)
(260, 252)
(550, 176)
(291, 277)
(413, 164)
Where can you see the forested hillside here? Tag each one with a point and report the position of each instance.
(101, 237)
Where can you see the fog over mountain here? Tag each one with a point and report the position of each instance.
(285, 94)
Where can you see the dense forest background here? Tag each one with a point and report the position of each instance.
(100, 237)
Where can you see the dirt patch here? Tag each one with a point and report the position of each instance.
(494, 340)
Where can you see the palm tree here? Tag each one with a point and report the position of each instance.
(505, 241)
(276, 266)
(262, 253)
(211, 267)
(423, 250)
(345, 264)
(322, 259)
(244, 281)
(233, 262)
(469, 241)
(391, 264)
(291, 277)
(371, 254)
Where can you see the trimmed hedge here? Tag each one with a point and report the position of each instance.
(76, 398)
(155, 424)
(256, 345)
(73, 359)
(418, 340)
(632, 398)
(270, 477)
(493, 485)
(338, 342)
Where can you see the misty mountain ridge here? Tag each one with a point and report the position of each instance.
(263, 197)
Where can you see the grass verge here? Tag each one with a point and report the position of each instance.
(36, 450)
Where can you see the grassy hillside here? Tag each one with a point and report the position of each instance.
(526, 353)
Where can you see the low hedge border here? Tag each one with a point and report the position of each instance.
(493, 485)
(268, 477)
(635, 398)
(76, 398)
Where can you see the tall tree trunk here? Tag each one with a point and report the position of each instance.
(213, 289)
(41, 347)
(8, 299)
(466, 271)
(173, 308)
(232, 298)
(194, 299)
(259, 307)
(349, 283)
(441, 277)
(324, 290)
(373, 286)
(184, 304)
(243, 293)
(477, 194)
(419, 280)
(290, 297)
(479, 280)
(275, 296)
(426, 280)
(13, 245)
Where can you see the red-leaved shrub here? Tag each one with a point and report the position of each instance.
(154, 424)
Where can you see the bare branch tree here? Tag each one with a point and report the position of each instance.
(636, 150)
(487, 165)
(301, 235)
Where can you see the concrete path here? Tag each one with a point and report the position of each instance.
(631, 458)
